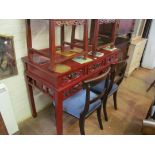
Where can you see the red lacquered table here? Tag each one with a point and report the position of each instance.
(60, 86)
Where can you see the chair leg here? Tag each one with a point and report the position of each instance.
(104, 108)
(81, 125)
(115, 100)
(105, 112)
(99, 117)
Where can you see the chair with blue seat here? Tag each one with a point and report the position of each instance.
(85, 102)
(116, 77)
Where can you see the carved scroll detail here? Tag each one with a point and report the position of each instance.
(107, 21)
(68, 22)
(72, 76)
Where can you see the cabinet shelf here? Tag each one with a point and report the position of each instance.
(51, 52)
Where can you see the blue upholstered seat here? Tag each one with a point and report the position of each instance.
(99, 88)
(74, 105)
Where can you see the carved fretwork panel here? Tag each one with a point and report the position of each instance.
(69, 22)
(107, 21)
(41, 86)
(72, 76)
(96, 66)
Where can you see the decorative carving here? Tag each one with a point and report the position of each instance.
(108, 60)
(107, 21)
(70, 22)
(41, 86)
(95, 66)
(71, 76)
(112, 59)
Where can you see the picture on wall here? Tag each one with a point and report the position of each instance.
(8, 65)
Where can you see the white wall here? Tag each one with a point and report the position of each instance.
(149, 53)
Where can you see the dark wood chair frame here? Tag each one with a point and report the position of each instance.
(116, 77)
(87, 84)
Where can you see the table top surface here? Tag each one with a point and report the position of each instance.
(72, 64)
(50, 78)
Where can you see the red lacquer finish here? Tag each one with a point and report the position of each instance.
(51, 52)
(39, 66)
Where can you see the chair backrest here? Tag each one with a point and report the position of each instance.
(88, 84)
(117, 72)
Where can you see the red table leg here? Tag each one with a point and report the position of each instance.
(59, 112)
(31, 99)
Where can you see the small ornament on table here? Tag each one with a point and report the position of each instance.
(82, 59)
(111, 47)
(96, 54)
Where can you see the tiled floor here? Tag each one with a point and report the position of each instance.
(133, 104)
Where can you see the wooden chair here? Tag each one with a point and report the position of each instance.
(148, 124)
(116, 77)
(85, 102)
